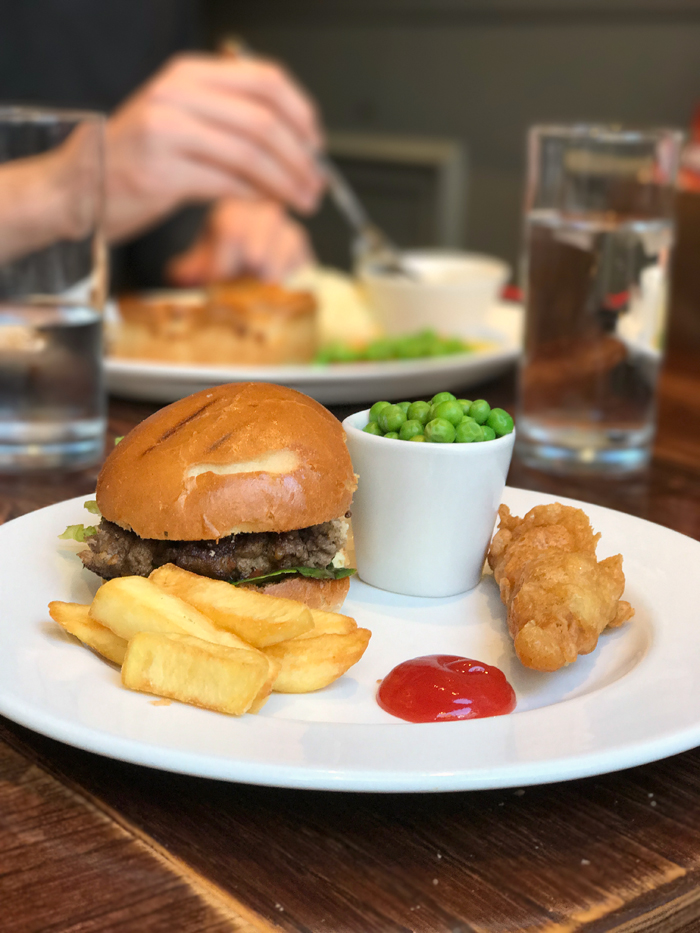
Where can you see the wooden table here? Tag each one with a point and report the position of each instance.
(89, 844)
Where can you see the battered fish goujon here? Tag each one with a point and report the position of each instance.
(559, 596)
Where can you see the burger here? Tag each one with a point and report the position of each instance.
(248, 482)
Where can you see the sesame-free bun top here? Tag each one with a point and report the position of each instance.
(243, 457)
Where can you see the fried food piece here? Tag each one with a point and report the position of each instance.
(329, 623)
(259, 619)
(185, 668)
(559, 596)
(311, 663)
(129, 605)
(74, 618)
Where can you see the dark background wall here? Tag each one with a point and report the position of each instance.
(482, 71)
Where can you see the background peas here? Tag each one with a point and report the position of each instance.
(469, 432)
(443, 420)
(479, 410)
(442, 397)
(450, 410)
(440, 431)
(391, 418)
(410, 429)
(419, 411)
(500, 421)
(375, 409)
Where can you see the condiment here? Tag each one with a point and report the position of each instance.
(442, 687)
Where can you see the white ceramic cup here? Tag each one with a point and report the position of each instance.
(423, 514)
(452, 293)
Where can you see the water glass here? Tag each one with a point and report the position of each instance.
(53, 276)
(598, 237)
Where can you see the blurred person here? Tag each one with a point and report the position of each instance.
(202, 129)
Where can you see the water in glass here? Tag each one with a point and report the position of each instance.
(596, 305)
(51, 398)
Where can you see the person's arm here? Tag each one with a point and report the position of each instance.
(47, 198)
(209, 127)
(254, 237)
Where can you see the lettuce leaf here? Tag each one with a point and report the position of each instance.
(78, 532)
(317, 573)
(82, 532)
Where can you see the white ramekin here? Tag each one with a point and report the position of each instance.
(453, 292)
(423, 514)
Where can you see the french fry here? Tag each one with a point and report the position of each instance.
(74, 618)
(259, 619)
(309, 664)
(329, 623)
(129, 605)
(261, 699)
(181, 667)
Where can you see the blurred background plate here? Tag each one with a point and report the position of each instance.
(336, 383)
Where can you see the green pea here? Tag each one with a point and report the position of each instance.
(409, 429)
(392, 435)
(468, 432)
(466, 405)
(500, 421)
(382, 349)
(450, 410)
(418, 437)
(391, 418)
(489, 433)
(373, 428)
(375, 409)
(440, 431)
(479, 410)
(454, 345)
(404, 406)
(419, 411)
(409, 348)
(442, 397)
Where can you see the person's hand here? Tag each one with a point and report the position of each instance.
(207, 127)
(256, 237)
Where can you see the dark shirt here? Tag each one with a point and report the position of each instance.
(92, 54)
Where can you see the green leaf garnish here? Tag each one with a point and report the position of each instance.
(117, 439)
(78, 532)
(92, 506)
(317, 573)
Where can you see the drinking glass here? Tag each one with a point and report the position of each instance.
(53, 275)
(598, 236)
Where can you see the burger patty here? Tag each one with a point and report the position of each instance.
(114, 552)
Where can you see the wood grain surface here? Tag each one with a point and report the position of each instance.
(87, 843)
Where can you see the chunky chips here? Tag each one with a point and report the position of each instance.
(207, 643)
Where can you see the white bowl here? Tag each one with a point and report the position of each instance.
(423, 514)
(452, 293)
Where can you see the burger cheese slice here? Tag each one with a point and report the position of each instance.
(248, 482)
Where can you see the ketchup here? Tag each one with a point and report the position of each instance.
(441, 687)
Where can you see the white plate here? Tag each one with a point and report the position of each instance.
(347, 382)
(634, 700)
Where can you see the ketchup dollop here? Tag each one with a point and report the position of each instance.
(442, 687)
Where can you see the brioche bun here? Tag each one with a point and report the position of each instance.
(328, 595)
(244, 457)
